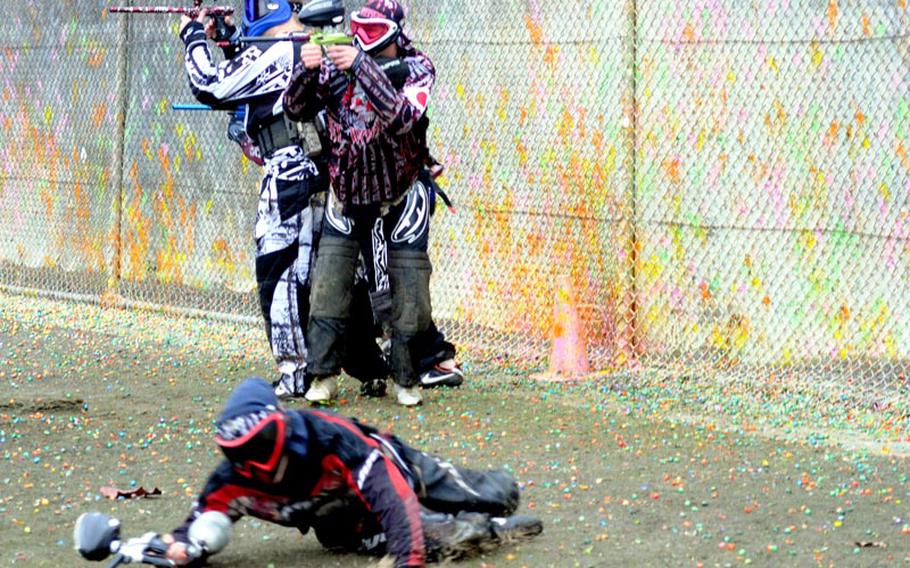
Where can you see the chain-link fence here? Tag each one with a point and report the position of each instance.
(726, 183)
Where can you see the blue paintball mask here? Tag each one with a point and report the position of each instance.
(261, 15)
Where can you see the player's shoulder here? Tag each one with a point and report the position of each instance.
(418, 60)
(274, 50)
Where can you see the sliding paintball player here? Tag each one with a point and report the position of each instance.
(377, 205)
(359, 489)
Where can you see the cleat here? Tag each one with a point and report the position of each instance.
(457, 537)
(408, 396)
(445, 374)
(323, 390)
(374, 388)
(289, 386)
(515, 528)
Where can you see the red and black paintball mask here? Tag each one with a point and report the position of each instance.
(252, 431)
(377, 25)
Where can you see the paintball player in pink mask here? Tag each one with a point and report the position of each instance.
(375, 94)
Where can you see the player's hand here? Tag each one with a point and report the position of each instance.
(311, 56)
(343, 56)
(211, 30)
(185, 20)
(176, 551)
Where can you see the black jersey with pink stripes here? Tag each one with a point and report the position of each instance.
(377, 129)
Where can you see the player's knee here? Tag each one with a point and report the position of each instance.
(410, 273)
(333, 278)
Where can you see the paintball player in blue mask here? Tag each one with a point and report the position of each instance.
(255, 78)
(359, 489)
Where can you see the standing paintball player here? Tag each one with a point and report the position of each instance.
(377, 206)
(256, 76)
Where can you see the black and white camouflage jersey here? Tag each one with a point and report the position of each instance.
(256, 76)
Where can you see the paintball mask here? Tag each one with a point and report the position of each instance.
(377, 25)
(322, 13)
(261, 15)
(254, 444)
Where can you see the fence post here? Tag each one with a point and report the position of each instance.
(630, 350)
(112, 293)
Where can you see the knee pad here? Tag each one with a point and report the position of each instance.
(410, 273)
(333, 278)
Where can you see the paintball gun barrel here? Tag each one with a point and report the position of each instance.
(319, 38)
(192, 12)
(218, 13)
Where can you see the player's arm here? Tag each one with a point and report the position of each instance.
(308, 90)
(377, 481)
(390, 497)
(399, 110)
(249, 75)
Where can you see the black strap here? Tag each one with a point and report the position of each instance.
(276, 135)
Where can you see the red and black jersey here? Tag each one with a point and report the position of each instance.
(333, 462)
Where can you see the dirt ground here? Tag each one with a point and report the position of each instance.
(92, 398)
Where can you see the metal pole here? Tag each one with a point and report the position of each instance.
(632, 331)
(118, 167)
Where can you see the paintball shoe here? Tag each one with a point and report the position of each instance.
(454, 538)
(374, 388)
(291, 385)
(323, 390)
(408, 396)
(515, 528)
(445, 374)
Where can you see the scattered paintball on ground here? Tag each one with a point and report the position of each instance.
(622, 472)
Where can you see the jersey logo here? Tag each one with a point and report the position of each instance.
(418, 96)
(415, 218)
(339, 223)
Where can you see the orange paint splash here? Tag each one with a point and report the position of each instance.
(833, 13)
(902, 154)
(534, 30)
(98, 114)
(671, 167)
(688, 34)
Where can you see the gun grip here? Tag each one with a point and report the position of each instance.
(221, 30)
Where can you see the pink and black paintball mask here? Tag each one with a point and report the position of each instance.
(377, 25)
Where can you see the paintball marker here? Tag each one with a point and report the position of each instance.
(318, 38)
(217, 13)
(190, 12)
(96, 536)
